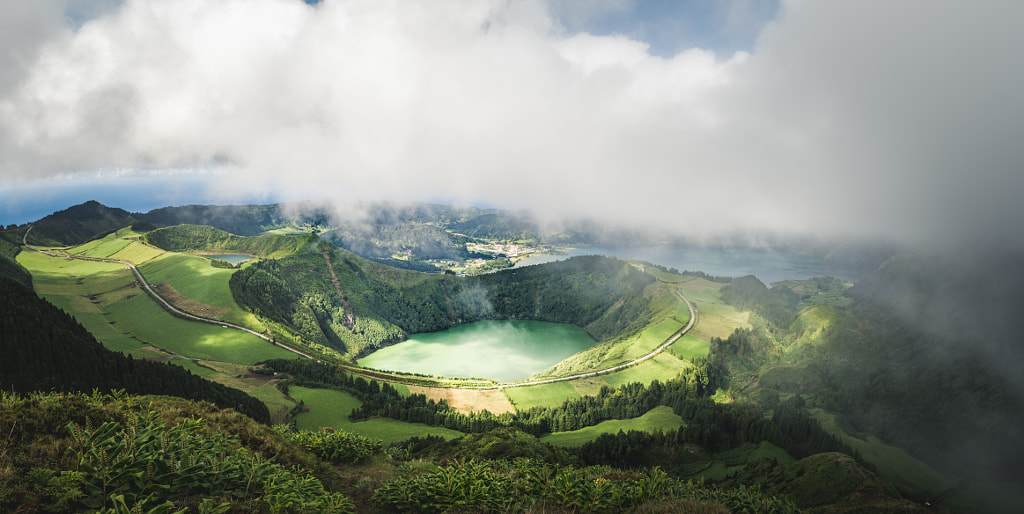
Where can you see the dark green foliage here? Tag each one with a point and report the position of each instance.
(78, 224)
(524, 485)
(602, 295)
(143, 226)
(243, 220)
(750, 294)
(333, 445)
(42, 348)
(823, 480)
(118, 452)
(199, 238)
(382, 305)
(10, 246)
(714, 426)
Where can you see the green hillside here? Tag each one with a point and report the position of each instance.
(374, 305)
(200, 238)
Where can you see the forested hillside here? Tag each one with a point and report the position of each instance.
(10, 245)
(380, 305)
(78, 224)
(44, 349)
(907, 354)
(201, 238)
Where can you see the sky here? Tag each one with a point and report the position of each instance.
(847, 118)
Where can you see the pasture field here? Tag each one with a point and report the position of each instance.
(141, 316)
(662, 367)
(72, 285)
(328, 408)
(542, 395)
(650, 339)
(658, 418)
(104, 247)
(467, 400)
(137, 252)
(194, 278)
(689, 347)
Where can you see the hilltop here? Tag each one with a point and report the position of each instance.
(795, 372)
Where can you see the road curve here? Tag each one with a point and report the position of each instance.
(668, 342)
(372, 373)
(160, 300)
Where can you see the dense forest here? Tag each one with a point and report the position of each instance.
(44, 349)
(904, 354)
(380, 305)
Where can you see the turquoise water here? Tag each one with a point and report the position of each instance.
(233, 258)
(506, 351)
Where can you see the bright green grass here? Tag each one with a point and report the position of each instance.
(328, 408)
(645, 342)
(662, 367)
(689, 347)
(542, 395)
(145, 319)
(658, 418)
(193, 277)
(894, 464)
(138, 253)
(70, 285)
(102, 248)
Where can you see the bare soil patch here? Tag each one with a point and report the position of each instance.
(468, 400)
(189, 305)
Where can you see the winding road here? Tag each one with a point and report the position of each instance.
(161, 300)
(370, 373)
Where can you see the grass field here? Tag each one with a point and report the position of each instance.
(100, 295)
(663, 366)
(328, 408)
(543, 395)
(690, 347)
(194, 278)
(149, 322)
(658, 418)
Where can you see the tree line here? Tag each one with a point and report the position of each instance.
(42, 348)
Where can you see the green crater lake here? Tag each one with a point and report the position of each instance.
(506, 351)
(233, 258)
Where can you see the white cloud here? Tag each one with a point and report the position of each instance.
(897, 118)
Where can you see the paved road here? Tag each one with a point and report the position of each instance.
(377, 374)
(668, 342)
(160, 300)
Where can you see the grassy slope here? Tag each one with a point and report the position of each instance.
(194, 277)
(658, 418)
(100, 295)
(715, 319)
(329, 408)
